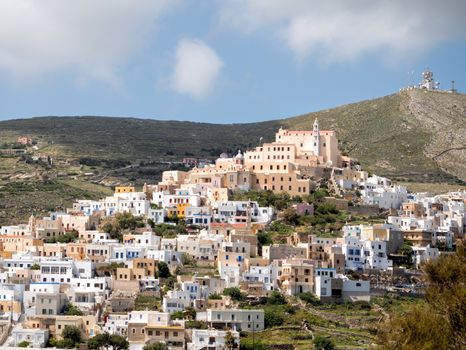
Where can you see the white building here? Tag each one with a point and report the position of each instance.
(242, 211)
(424, 254)
(211, 339)
(236, 319)
(267, 275)
(35, 337)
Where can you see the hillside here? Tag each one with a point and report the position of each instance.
(413, 135)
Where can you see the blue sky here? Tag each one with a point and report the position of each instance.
(219, 61)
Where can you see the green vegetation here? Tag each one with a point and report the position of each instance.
(24, 344)
(440, 321)
(163, 270)
(387, 135)
(71, 338)
(170, 231)
(188, 313)
(235, 293)
(196, 324)
(147, 302)
(19, 199)
(35, 266)
(266, 198)
(323, 343)
(309, 298)
(71, 310)
(65, 238)
(105, 341)
(116, 225)
(155, 346)
(215, 296)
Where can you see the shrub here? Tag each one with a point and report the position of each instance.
(235, 293)
(163, 270)
(177, 315)
(273, 318)
(155, 346)
(323, 343)
(105, 341)
(276, 298)
(309, 298)
(290, 216)
(264, 238)
(215, 296)
(71, 310)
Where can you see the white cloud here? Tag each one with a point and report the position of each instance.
(342, 30)
(90, 39)
(197, 68)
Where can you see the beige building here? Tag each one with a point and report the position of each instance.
(287, 164)
(297, 276)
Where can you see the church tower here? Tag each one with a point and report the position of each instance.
(32, 225)
(316, 138)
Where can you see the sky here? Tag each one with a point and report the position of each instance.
(220, 61)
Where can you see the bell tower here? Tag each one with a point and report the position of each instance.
(316, 138)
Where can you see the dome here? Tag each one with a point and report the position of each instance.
(224, 155)
(239, 155)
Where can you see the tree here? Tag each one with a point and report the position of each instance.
(105, 341)
(229, 340)
(276, 298)
(440, 321)
(23, 344)
(71, 310)
(71, 337)
(151, 223)
(35, 266)
(215, 296)
(155, 346)
(290, 216)
(118, 342)
(189, 313)
(163, 270)
(235, 293)
(177, 315)
(323, 343)
(264, 238)
(309, 298)
(273, 317)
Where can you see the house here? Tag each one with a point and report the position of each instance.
(234, 319)
(330, 286)
(297, 276)
(56, 271)
(116, 324)
(212, 339)
(424, 254)
(282, 251)
(122, 301)
(37, 338)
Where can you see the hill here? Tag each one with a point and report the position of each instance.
(413, 135)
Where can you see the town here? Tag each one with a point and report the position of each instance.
(195, 260)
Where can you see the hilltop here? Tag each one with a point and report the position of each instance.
(413, 135)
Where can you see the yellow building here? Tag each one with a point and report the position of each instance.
(181, 210)
(124, 189)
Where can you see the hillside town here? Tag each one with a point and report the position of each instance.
(191, 261)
